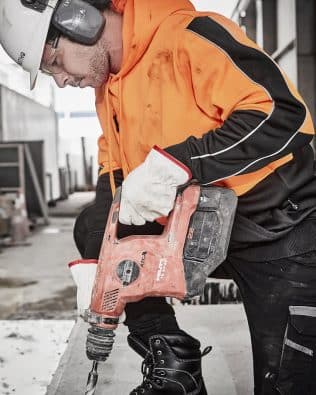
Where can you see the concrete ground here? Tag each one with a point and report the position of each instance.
(38, 274)
(35, 281)
(35, 284)
(227, 369)
(37, 302)
(29, 354)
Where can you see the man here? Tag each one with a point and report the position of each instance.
(184, 95)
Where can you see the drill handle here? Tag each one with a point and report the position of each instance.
(183, 198)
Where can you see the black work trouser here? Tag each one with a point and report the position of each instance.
(280, 302)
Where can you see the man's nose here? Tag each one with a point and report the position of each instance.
(61, 79)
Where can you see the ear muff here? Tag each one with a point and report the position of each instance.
(79, 21)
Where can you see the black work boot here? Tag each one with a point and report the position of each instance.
(172, 365)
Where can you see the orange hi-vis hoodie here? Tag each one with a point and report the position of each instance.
(194, 84)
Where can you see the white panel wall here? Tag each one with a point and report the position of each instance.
(72, 129)
(223, 7)
(286, 22)
(25, 120)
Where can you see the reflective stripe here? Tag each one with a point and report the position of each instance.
(255, 161)
(308, 311)
(298, 347)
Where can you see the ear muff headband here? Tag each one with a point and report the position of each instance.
(99, 4)
(79, 21)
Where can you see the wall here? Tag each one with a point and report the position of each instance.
(24, 119)
(286, 33)
(306, 43)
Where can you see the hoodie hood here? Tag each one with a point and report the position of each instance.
(140, 22)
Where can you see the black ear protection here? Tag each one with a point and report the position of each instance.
(99, 4)
(79, 20)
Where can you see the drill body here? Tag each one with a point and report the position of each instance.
(176, 263)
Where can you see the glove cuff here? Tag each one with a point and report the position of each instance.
(82, 261)
(174, 161)
(83, 272)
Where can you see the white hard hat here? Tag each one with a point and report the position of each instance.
(24, 26)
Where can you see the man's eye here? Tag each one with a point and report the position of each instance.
(54, 62)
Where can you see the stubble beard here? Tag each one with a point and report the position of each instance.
(99, 67)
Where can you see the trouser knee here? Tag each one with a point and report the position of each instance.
(90, 224)
(89, 230)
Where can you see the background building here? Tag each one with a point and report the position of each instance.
(27, 117)
(286, 30)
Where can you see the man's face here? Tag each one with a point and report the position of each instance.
(77, 65)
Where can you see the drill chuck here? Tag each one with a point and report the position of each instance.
(99, 343)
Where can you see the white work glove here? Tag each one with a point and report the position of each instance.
(83, 272)
(149, 191)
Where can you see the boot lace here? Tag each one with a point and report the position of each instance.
(147, 370)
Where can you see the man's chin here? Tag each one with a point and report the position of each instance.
(97, 84)
(93, 83)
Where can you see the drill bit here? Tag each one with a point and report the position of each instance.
(98, 347)
(92, 379)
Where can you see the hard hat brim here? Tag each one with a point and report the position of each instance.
(23, 33)
(33, 78)
(41, 46)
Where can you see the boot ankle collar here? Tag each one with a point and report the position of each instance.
(138, 346)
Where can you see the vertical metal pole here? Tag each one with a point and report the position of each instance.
(50, 185)
(69, 173)
(37, 187)
(76, 180)
(91, 172)
(259, 27)
(21, 167)
(1, 114)
(85, 165)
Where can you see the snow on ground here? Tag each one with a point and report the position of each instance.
(30, 351)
